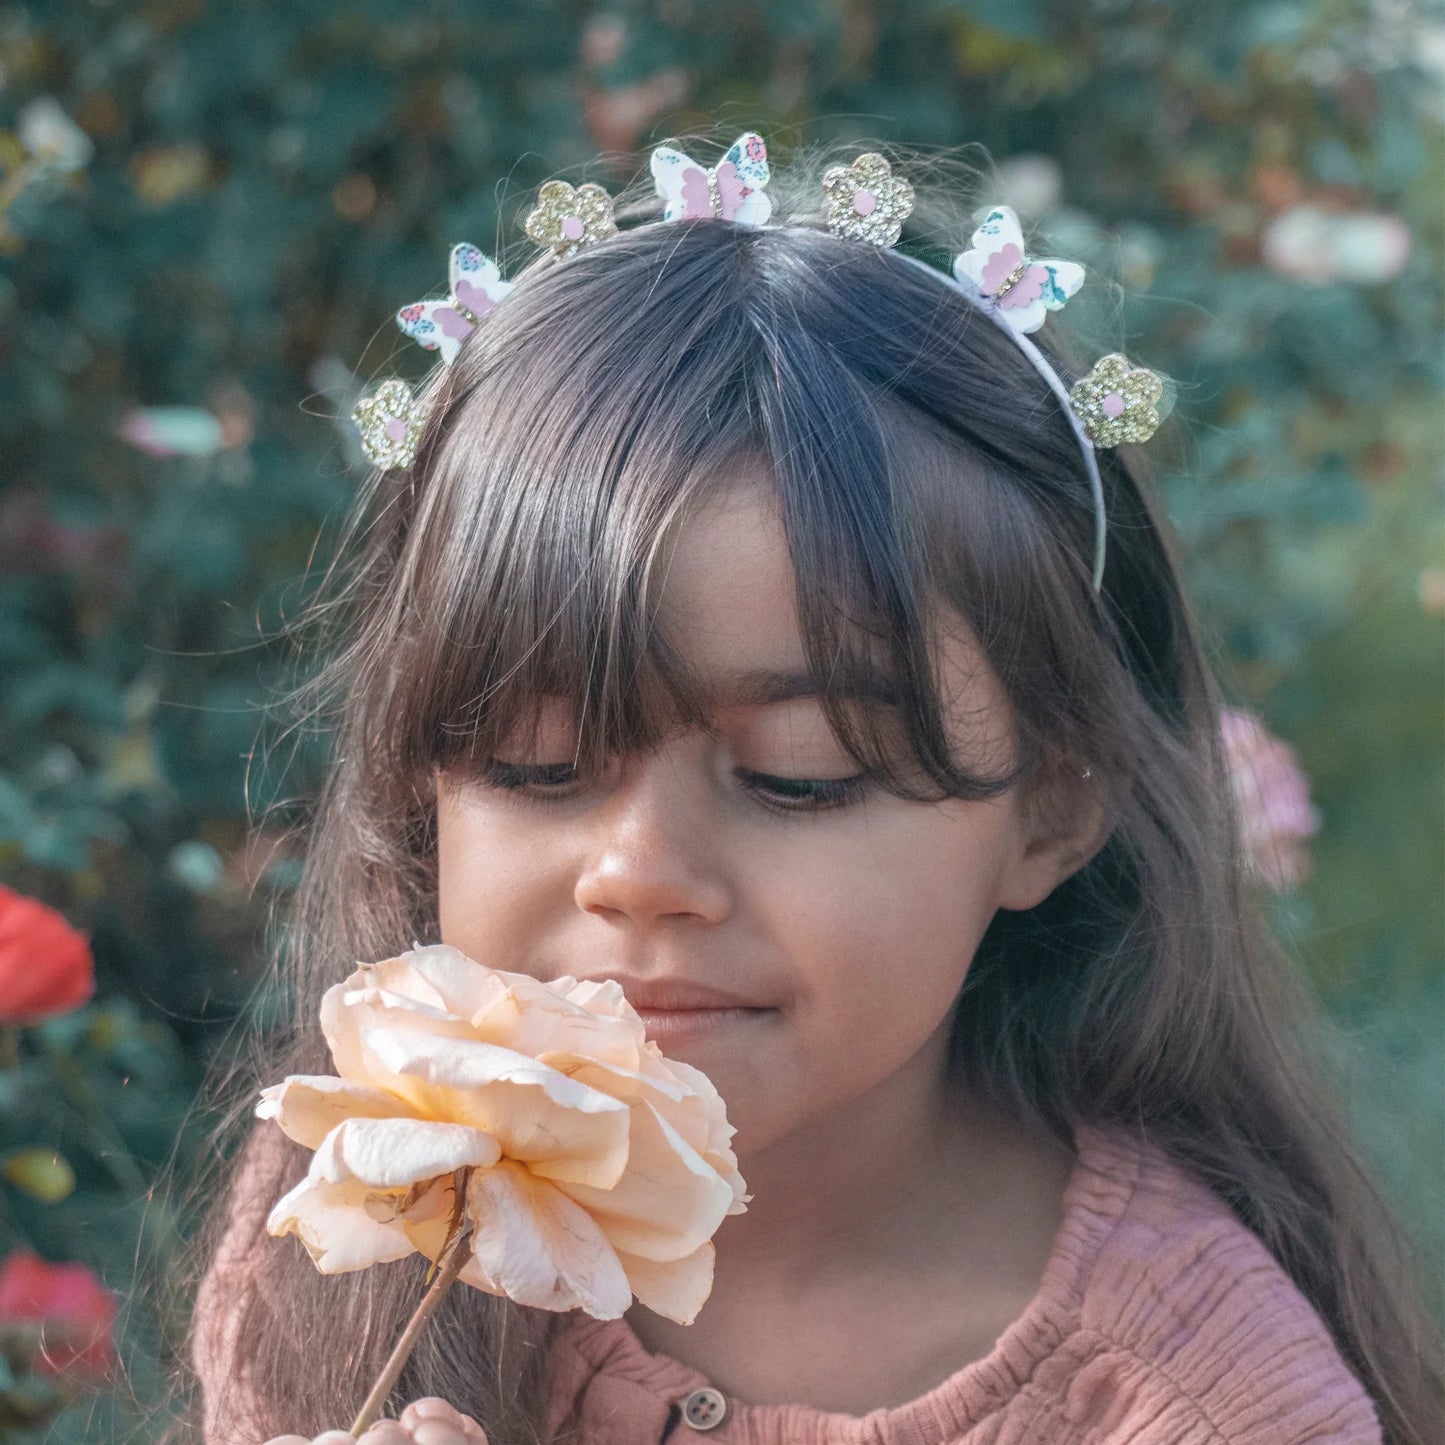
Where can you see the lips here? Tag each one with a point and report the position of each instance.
(675, 995)
(677, 1011)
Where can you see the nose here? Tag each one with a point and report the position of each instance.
(654, 854)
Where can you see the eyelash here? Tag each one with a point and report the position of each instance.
(821, 795)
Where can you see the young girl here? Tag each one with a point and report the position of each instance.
(737, 631)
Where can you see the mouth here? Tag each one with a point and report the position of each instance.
(675, 1010)
(670, 1027)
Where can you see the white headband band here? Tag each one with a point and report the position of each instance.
(1056, 385)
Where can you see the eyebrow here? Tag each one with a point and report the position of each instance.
(761, 687)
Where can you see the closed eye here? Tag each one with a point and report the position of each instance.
(805, 794)
(554, 782)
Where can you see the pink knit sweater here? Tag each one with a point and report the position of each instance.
(1160, 1320)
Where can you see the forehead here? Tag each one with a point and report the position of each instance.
(725, 596)
(726, 601)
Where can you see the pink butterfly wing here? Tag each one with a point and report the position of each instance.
(731, 192)
(999, 266)
(696, 195)
(475, 298)
(1027, 289)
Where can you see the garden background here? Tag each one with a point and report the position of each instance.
(210, 209)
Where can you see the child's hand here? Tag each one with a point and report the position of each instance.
(428, 1421)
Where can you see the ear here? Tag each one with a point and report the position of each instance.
(1066, 821)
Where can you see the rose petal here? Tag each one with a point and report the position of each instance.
(397, 1153)
(670, 1200)
(629, 1085)
(444, 977)
(602, 997)
(309, 1106)
(704, 1100)
(537, 1114)
(332, 1222)
(686, 1098)
(677, 1289)
(347, 1008)
(540, 1248)
(375, 995)
(428, 1225)
(535, 1018)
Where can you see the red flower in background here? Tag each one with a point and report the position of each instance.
(46, 966)
(75, 1310)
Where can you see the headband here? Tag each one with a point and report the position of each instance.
(1115, 403)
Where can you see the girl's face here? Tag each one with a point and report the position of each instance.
(798, 936)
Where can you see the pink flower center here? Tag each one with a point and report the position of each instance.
(395, 428)
(864, 202)
(572, 228)
(1113, 405)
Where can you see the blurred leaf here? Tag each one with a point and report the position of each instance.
(40, 1172)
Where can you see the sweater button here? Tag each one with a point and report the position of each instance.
(705, 1409)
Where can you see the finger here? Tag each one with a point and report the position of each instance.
(440, 1432)
(431, 1407)
(385, 1432)
(288, 1440)
(335, 1437)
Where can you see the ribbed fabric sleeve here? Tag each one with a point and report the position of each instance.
(1160, 1319)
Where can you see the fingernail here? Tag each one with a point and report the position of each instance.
(386, 1432)
(437, 1432)
(430, 1407)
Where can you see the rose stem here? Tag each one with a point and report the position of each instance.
(454, 1256)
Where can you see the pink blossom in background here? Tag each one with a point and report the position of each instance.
(1271, 799)
(1310, 244)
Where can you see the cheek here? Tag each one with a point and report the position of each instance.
(894, 912)
(490, 883)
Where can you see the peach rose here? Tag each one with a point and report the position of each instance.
(597, 1168)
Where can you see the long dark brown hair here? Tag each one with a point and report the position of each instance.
(921, 469)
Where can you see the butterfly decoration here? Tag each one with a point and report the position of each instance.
(732, 190)
(1024, 290)
(476, 287)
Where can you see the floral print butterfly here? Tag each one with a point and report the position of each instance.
(476, 287)
(1022, 289)
(732, 190)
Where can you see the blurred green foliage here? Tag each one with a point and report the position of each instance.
(258, 186)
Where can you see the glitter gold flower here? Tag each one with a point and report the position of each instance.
(866, 202)
(566, 218)
(1117, 402)
(390, 421)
